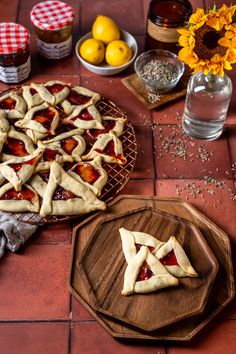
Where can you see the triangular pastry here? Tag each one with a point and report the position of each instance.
(91, 173)
(144, 274)
(31, 96)
(51, 152)
(4, 127)
(52, 92)
(17, 201)
(13, 105)
(110, 124)
(109, 147)
(79, 96)
(63, 195)
(133, 240)
(85, 118)
(175, 260)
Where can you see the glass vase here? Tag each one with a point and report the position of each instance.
(206, 105)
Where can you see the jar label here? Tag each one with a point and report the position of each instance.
(14, 74)
(55, 50)
(162, 34)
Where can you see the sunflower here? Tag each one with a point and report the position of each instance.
(209, 42)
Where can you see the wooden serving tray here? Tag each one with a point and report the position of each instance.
(133, 83)
(102, 266)
(223, 288)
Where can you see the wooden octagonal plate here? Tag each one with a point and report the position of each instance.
(222, 291)
(102, 267)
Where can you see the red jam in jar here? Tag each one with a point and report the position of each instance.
(14, 53)
(164, 18)
(53, 21)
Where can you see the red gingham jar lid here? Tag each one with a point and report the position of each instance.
(51, 15)
(13, 37)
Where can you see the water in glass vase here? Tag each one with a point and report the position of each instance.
(206, 105)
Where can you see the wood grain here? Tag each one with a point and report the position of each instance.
(223, 288)
(102, 267)
(133, 83)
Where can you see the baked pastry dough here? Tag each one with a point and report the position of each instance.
(18, 170)
(25, 200)
(4, 127)
(109, 147)
(63, 195)
(85, 118)
(79, 96)
(144, 274)
(110, 124)
(52, 92)
(90, 173)
(16, 144)
(173, 257)
(13, 105)
(31, 96)
(133, 240)
(51, 152)
(40, 121)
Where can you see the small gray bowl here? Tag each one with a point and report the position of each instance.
(159, 70)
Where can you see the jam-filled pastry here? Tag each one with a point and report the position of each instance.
(145, 274)
(39, 122)
(71, 142)
(31, 96)
(51, 152)
(18, 170)
(110, 124)
(18, 201)
(79, 96)
(133, 240)
(85, 118)
(4, 127)
(63, 195)
(16, 144)
(91, 173)
(109, 147)
(173, 257)
(52, 92)
(13, 104)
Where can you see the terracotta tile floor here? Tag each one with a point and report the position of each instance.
(37, 312)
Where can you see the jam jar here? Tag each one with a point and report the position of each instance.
(53, 21)
(164, 18)
(14, 52)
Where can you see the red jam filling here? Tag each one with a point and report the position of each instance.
(145, 272)
(87, 172)
(68, 145)
(45, 176)
(138, 246)
(50, 155)
(76, 98)
(14, 147)
(85, 115)
(33, 91)
(17, 166)
(62, 194)
(8, 103)
(24, 194)
(108, 125)
(110, 150)
(44, 117)
(55, 88)
(170, 259)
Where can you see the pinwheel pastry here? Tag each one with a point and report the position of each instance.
(91, 173)
(109, 147)
(175, 260)
(13, 105)
(63, 195)
(145, 274)
(132, 241)
(79, 97)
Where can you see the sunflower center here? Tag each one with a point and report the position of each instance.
(206, 39)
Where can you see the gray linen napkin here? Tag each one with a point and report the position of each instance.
(13, 233)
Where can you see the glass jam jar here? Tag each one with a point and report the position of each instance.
(14, 53)
(164, 18)
(53, 21)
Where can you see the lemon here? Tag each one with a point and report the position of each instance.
(105, 29)
(118, 53)
(92, 51)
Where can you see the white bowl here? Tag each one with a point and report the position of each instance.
(104, 68)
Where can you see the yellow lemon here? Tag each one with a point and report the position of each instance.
(118, 53)
(93, 51)
(105, 29)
